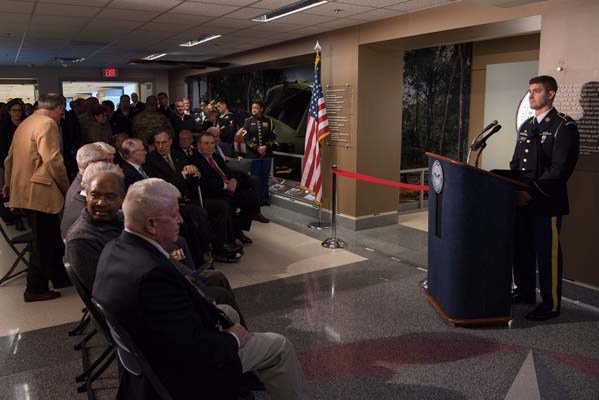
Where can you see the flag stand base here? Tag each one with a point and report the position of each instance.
(334, 243)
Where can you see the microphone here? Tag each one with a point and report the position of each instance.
(492, 124)
(483, 142)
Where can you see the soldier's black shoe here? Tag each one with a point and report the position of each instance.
(541, 313)
(520, 299)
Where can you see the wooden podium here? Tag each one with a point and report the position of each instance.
(470, 242)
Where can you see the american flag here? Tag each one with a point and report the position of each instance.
(316, 131)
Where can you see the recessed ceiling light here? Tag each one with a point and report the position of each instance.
(288, 10)
(192, 43)
(154, 56)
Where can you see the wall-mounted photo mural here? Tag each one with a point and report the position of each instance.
(436, 103)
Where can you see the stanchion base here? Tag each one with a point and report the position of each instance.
(332, 243)
(319, 225)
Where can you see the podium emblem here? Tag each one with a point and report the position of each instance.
(437, 176)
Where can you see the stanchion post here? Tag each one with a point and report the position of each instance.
(333, 242)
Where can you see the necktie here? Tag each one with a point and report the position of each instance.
(143, 173)
(170, 162)
(217, 169)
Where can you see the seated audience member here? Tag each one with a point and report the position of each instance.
(186, 144)
(193, 348)
(99, 129)
(218, 182)
(231, 157)
(211, 119)
(117, 142)
(196, 229)
(74, 200)
(100, 222)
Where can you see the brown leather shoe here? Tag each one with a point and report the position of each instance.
(30, 297)
(261, 218)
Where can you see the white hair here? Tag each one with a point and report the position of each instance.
(98, 168)
(93, 152)
(148, 198)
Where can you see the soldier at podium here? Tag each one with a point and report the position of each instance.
(545, 156)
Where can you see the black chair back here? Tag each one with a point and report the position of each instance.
(24, 238)
(130, 356)
(86, 297)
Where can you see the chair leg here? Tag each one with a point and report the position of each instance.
(83, 322)
(9, 275)
(83, 376)
(90, 335)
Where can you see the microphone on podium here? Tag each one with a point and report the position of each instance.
(483, 142)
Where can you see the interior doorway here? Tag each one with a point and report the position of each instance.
(25, 90)
(112, 91)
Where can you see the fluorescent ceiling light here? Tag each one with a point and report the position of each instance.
(192, 43)
(291, 9)
(154, 56)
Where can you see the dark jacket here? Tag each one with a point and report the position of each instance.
(210, 182)
(121, 123)
(131, 174)
(86, 239)
(173, 325)
(544, 158)
(157, 167)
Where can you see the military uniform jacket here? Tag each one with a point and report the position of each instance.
(545, 156)
(259, 131)
(226, 124)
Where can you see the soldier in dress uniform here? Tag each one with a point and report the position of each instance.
(226, 122)
(259, 134)
(545, 156)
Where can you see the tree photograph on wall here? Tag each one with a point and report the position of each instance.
(436, 103)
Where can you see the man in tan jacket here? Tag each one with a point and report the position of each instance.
(36, 181)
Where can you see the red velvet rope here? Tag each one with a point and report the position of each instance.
(380, 181)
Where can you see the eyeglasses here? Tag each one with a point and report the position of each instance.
(16, 110)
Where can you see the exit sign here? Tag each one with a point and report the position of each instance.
(109, 72)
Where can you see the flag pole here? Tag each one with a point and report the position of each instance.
(319, 225)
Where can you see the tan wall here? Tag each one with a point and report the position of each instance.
(569, 39)
(50, 79)
(380, 76)
(497, 51)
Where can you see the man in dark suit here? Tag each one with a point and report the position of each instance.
(121, 119)
(136, 105)
(193, 347)
(180, 120)
(186, 144)
(172, 166)
(219, 182)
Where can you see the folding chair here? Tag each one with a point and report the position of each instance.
(26, 239)
(130, 356)
(94, 370)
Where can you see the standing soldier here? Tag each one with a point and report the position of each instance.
(259, 135)
(545, 156)
(226, 122)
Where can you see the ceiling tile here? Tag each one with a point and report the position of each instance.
(65, 10)
(65, 29)
(17, 7)
(310, 30)
(239, 3)
(61, 21)
(146, 5)
(164, 27)
(100, 24)
(274, 26)
(127, 15)
(174, 18)
(415, 5)
(11, 18)
(230, 23)
(371, 3)
(213, 10)
(378, 14)
(93, 3)
(341, 23)
(338, 10)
